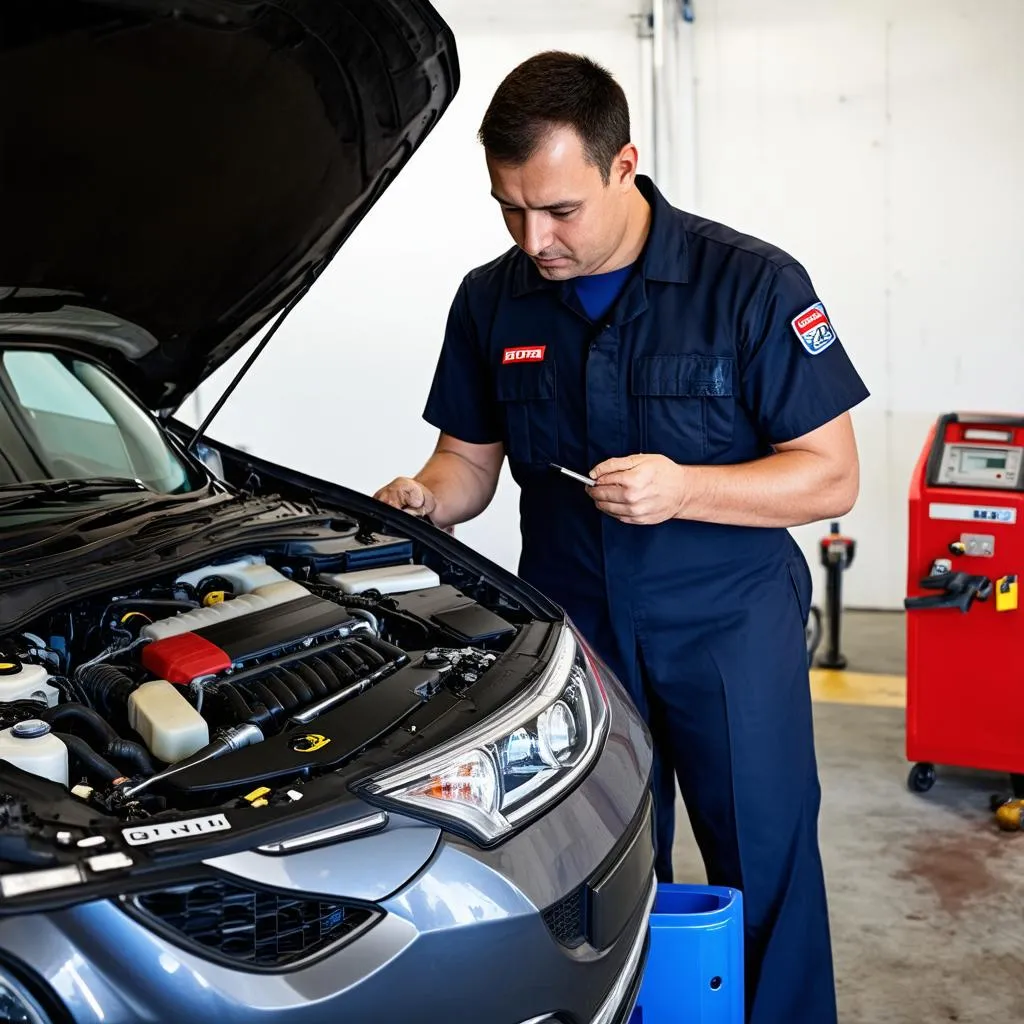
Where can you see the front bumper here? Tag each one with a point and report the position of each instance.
(469, 935)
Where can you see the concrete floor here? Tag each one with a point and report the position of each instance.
(871, 641)
(926, 894)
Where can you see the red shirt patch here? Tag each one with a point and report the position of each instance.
(810, 320)
(524, 354)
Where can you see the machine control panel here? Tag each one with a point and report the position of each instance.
(978, 545)
(981, 466)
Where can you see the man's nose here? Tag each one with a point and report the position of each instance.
(536, 233)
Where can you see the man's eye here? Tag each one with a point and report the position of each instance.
(562, 214)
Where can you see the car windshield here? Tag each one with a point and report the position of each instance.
(62, 418)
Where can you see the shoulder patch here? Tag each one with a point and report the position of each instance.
(813, 329)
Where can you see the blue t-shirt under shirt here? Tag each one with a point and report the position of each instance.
(598, 293)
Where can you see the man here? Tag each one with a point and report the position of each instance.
(693, 374)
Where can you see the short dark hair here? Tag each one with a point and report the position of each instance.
(551, 90)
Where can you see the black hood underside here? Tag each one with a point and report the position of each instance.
(186, 169)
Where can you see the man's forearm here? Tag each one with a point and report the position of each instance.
(789, 488)
(461, 489)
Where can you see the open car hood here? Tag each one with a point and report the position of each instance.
(174, 173)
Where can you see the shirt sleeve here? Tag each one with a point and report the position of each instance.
(795, 375)
(461, 401)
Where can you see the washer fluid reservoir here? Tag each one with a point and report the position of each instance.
(30, 746)
(23, 681)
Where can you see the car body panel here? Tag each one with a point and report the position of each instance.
(370, 869)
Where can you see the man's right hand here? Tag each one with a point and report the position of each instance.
(409, 495)
(460, 481)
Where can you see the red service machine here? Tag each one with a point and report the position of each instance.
(965, 643)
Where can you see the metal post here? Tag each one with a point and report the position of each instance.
(836, 555)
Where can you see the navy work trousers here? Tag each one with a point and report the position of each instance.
(729, 707)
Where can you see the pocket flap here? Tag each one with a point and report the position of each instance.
(525, 381)
(685, 374)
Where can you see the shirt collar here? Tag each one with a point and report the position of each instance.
(664, 257)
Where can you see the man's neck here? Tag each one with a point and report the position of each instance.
(634, 237)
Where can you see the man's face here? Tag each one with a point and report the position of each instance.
(559, 211)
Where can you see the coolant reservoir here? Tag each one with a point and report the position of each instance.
(31, 746)
(244, 576)
(21, 681)
(169, 726)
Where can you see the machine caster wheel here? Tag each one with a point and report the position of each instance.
(921, 777)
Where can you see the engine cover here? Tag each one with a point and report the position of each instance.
(236, 639)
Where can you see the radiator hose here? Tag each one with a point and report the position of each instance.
(103, 734)
(106, 686)
(94, 764)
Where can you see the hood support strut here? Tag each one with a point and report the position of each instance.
(237, 379)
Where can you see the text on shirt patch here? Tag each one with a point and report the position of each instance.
(813, 329)
(524, 354)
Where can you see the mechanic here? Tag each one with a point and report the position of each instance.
(694, 375)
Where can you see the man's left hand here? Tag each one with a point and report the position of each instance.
(639, 489)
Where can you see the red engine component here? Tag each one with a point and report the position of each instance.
(182, 658)
(965, 659)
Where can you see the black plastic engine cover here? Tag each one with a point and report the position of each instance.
(328, 741)
(351, 552)
(261, 633)
(456, 613)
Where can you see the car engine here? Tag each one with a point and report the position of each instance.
(241, 677)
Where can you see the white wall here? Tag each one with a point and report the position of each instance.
(879, 141)
(882, 143)
(358, 353)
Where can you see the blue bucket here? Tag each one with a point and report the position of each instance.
(694, 972)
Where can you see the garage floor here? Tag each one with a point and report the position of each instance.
(927, 895)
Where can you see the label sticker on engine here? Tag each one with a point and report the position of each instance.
(308, 743)
(143, 834)
(972, 513)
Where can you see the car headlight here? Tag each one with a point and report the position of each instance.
(16, 1005)
(520, 760)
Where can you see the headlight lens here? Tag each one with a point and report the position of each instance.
(16, 1005)
(519, 761)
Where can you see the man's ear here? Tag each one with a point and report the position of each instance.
(624, 167)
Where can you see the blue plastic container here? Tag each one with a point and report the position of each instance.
(694, 972)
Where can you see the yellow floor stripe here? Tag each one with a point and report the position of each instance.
(830, 686)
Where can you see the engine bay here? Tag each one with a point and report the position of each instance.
(238, 680)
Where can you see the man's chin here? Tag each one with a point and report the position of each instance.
(556, 270)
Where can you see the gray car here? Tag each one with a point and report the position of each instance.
(269, 749)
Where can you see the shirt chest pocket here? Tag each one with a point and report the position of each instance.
(527, 395)
(686, 404)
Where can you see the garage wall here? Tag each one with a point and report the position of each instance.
(882, 143)
(340, 390)
(879, 141)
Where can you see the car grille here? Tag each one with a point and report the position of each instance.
(565, 919)
(248, 926)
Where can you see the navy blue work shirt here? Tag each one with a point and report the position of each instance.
(716, 349)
